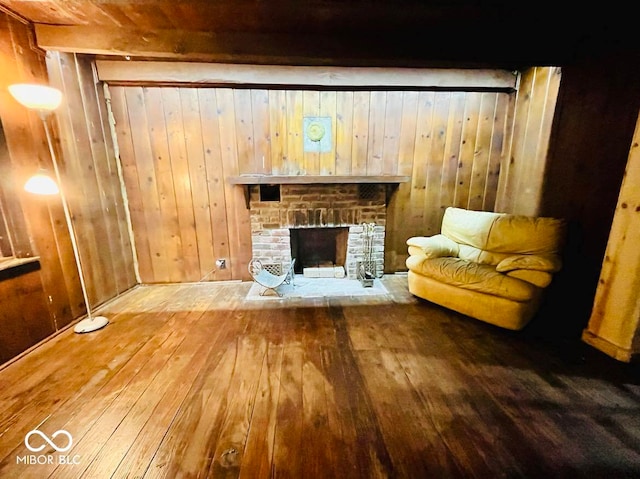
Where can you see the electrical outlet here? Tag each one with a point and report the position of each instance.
(221, 263)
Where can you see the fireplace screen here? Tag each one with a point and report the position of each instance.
(318, 247)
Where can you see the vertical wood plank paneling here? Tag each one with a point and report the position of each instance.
(194, 142)
(84, 150)
(450, 143)
(521, 176)
(451, 157)
(119, 260)
(328, 110)
(278, 131)
(132, 181)
(90, 179)
(16, 238)
(215, 179)
(143, 137)
(261, 130)
(244, 130)
(26, 142)
(311, 108)
(544, 138)
(436, 106)
(12, 114)
(499, 144)
(480, 165)
(166, 222)
(106, 183)
(512, 168)
(528, 185)
(344, 132)
(536, 141)
(295, 154)
(125, 267)
(392, 129)
(237, 214)
(422, 148)
(399, 208)
(468, 149)
(78, 140)
(375, 147)
(359, 143)
(182, 186)
(407, 143)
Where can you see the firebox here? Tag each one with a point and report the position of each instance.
(318, 247)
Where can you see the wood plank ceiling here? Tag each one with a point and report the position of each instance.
(500, 33)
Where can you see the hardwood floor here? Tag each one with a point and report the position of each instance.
(194, 381)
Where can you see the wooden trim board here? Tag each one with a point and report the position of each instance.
(136, 72)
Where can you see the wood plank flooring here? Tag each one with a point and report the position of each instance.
(192, 380)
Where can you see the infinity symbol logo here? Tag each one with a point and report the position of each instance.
(46, 439)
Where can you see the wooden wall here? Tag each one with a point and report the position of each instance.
(179, 144)
(91, 179)
(614, 325)
(24, 317)
(453, 145)
(524, 173)
(41, 231)
(592, 134)
(39, 226)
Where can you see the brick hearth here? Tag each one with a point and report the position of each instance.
(318, 206)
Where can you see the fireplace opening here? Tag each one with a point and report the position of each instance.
(318, 247)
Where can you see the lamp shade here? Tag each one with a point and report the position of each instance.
(36, 97)
(41, 184)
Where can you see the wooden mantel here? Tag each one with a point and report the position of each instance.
(390, 181)
(313, 179)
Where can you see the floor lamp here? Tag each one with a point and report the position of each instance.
(44, 100)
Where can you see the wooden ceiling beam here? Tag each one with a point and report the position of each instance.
(402, 49)
(191, 46)
(135, 72)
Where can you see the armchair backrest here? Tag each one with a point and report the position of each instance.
(489, 237)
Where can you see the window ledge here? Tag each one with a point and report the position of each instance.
(12, 267)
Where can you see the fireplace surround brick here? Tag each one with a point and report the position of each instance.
(318, 206)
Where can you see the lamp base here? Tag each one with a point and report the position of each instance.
(91, 324)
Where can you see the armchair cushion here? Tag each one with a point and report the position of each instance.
(435, 246)
(548, 263)
(473, 276)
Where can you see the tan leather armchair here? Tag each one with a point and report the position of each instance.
(491, 266)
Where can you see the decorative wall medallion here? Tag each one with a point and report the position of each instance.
(317, 133)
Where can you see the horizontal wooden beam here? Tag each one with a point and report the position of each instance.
(402, 49)
(169, 44)
(312, 179)
(127, 72)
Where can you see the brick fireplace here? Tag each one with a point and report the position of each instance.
(318, 206)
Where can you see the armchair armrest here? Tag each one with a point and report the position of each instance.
(435, 246)
(533, 262)
(541, 279)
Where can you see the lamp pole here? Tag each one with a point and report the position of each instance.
(44, 100)
(90, 323)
